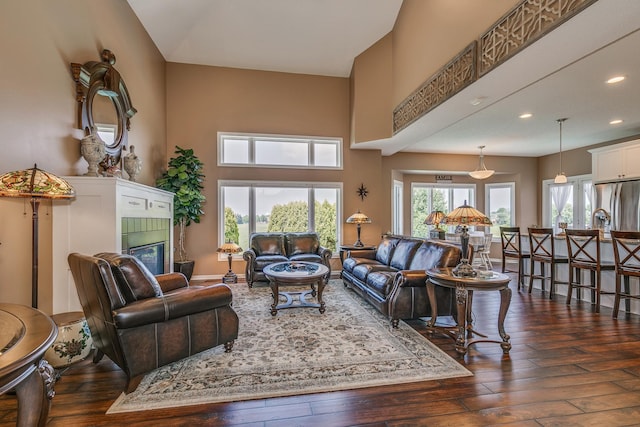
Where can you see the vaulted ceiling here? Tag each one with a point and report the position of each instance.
(561, 75)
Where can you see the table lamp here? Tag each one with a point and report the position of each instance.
(465, 216)
(435, 218)
(35, 184)
(358, 218)
(230, 248)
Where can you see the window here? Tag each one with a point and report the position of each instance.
(500, 205)
(570, 203)
(396, 214)
(247, 207)
(429, 197)
(235, 149)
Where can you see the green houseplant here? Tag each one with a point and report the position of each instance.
(184, 177)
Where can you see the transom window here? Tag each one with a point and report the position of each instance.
(246, 150)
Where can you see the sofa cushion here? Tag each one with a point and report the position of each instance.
(268, 244)
(350, 263)
(302, 243)
(403, 254)
(431, 255)
(134, 280)
(381, 282)
(306, 257)
(384, 253)
(362, 271)
(262, 261)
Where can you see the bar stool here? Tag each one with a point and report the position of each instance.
(583, 248)
(626, 252)
(512, 248)
(543, 252)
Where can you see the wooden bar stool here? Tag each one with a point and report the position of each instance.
(543, 252)
(512, 248)
(583, 248)
(626, 252)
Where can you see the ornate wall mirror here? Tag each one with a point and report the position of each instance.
(104, 103)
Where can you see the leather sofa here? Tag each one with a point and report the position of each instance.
(392, 276)
(141, 321)
(269, 248)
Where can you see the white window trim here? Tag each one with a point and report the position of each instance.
(577, 181)
(512, 207)
(397, 211)
(414, 185)
(252, 209)
(310, 140)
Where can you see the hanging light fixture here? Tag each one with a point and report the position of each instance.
(481, 172)
(561, 178)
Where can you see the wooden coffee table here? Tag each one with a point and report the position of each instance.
(296, 273)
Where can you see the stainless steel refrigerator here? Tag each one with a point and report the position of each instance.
(620, 200)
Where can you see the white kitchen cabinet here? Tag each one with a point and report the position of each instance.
(619, 162)
(107, 215)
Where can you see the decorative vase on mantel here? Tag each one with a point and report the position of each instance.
(93, 151)
(132, 164)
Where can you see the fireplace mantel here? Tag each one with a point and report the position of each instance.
(104, 216)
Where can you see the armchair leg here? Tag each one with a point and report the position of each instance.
(98, 355)
(133, 383)
(394, 323)
(228, 346)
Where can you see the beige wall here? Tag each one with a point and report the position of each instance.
(203, 101)
(429, 33)
(38, 40)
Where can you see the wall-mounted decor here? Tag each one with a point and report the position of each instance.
(362, 192)
(104, 104)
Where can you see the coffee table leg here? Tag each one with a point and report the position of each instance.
(505, 302)
(461, 300)
(320, 289)
(273, 284)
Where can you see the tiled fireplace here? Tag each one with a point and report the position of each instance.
(148, 240)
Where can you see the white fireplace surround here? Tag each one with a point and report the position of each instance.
(92, 223)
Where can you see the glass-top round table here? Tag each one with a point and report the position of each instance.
(296, 273)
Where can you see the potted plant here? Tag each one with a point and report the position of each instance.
(184, 177)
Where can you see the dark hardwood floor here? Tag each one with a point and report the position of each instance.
(568, 367)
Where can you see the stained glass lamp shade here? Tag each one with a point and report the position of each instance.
(465, 216)
(358, 218)
(230, 248)
(35, 184)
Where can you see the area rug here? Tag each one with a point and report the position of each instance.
(298, 351)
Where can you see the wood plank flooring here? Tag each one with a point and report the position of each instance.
(568, 367)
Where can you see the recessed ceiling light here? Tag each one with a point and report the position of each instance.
(616, 79)
(615, 122)
(525, 115)
(477, 101)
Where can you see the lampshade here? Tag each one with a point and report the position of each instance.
(35, 182)
(466, 215)
(230, 248)
(434, 218)
(481, 172)
(561, 178)
(358, 218)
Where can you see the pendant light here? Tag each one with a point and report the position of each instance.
(561, 178)
(481, 172)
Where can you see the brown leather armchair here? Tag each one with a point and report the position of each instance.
(141, 321)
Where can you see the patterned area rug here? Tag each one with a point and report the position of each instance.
(298, 351)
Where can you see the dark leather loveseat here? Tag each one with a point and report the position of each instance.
(392, 277)
(141, 321)
(269, 248)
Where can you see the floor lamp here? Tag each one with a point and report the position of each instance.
(35, 184)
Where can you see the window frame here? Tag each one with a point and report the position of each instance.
(450, 186)
(252, 185)
(311, 141)
(487, 202)
(578, 183)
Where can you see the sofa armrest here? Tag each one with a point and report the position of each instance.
(362, 253)
(410, 278)
(325, 254)
(172, 306)
(172, 281)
